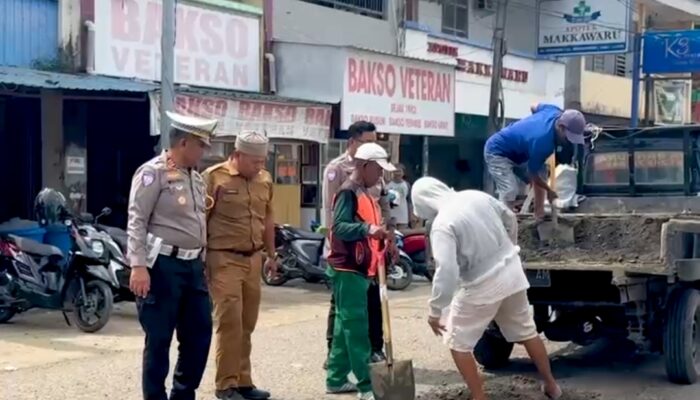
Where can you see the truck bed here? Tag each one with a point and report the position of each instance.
(628, 243)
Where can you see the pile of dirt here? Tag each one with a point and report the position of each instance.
(513, 388)
(629, 239)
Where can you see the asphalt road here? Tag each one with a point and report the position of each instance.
(42, 358)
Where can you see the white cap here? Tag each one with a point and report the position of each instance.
(376, 153)
(200, 127)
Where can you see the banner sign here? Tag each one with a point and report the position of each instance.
(671, 52)
(578, 27)
(213, 48)
(277, 120)
(399, 95)
(671, 102)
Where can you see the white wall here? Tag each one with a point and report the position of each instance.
(521, 24)
(69, 28)
(298, 21)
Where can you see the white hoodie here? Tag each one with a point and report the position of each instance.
(473, 238)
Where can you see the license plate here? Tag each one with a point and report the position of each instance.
(539, 278)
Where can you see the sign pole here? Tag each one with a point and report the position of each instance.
(636, 61)
(167, 73)
(499, 50)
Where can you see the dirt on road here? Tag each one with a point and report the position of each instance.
(629, 239)
(513, 388)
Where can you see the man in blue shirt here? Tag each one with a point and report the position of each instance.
(520, 151)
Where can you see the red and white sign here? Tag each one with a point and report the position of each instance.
(213, 48)
(277, 120)
(474, 67)
(398, 95)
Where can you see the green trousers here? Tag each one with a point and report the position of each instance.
(351, 349)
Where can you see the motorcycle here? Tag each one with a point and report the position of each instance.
(299, 255)
(412, 260)
(36, 275)
(115, 246)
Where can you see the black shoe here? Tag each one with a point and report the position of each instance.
(253, 393)
(229, 394)
(377, 356)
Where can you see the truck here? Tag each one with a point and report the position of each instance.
(633, 271)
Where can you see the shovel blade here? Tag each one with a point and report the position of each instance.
(393, 383)
(555, 231)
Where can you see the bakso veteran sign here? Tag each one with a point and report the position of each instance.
(576, 27)
(213, 48)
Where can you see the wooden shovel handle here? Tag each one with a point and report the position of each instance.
(552, 164)
(386, 321)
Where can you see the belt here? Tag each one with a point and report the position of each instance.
(182, 254)
(248, 253)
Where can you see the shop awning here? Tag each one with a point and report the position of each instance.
(56, 80)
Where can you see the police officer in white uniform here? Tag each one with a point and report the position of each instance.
(166, 238)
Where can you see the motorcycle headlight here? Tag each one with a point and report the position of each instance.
(97, 247)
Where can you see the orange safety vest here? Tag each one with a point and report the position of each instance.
(361, 256)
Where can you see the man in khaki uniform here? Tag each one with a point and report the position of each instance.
(166, 237)
(240, 226)
(336, 173)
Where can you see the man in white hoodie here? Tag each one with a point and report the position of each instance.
(474, 244)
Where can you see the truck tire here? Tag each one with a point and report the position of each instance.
(682, 336)
(493, 351)
(6, 314)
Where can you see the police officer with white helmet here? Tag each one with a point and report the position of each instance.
(166, 239)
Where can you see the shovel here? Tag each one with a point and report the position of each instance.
(391, 379)
(550, 231)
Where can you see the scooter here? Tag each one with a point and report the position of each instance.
(115, 246)
(36, 275)
(299, 255)
(412, 260)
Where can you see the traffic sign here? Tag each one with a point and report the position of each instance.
(671, 52)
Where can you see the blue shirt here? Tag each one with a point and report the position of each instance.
(529, 140)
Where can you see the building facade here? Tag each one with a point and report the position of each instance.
(349, 53)
(459, 32)
(601, 85)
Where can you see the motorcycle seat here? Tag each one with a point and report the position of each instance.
(119, 235)
(35, 248)
(306, 235)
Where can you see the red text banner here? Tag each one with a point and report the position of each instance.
(213, 48)
(277, 120)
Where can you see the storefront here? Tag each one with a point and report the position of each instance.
(219, 52)
(401, 96)
(296, 130)
(525, 80)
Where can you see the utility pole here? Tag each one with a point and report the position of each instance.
(499, 50)
(167, 72)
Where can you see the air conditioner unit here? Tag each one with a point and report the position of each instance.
(488, 6)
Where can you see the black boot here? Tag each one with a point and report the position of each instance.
(253, 393)
(229, 394)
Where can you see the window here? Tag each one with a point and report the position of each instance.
(310, 195)
(286, 163)
(611, 64)
(650, 168)
(455, 15)
(370, 8)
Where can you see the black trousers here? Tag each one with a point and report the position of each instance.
(177, 302)
(374, 310)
